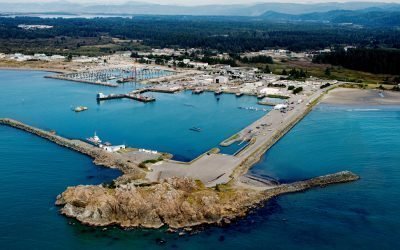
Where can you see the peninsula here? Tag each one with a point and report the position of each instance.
(155, 191)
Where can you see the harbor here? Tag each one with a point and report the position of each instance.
(81, 127)
(211, 167)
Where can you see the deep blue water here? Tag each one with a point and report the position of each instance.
(359, 215)
(163, 125)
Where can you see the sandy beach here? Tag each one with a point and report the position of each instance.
(344, 96)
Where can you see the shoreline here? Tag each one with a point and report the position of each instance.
(50, 70)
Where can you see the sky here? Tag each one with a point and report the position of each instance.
(200, 2)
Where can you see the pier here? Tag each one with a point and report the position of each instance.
(137, 94)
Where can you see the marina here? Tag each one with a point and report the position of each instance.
(112, 77)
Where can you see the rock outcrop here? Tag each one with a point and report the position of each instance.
(176, 202)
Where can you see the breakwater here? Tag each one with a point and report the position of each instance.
(176, 202)
(259, 146)
(62, 77)
(100, 156)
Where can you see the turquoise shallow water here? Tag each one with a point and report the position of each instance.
(362, 215)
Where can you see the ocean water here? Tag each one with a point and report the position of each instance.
(163, 125)
(359, 215)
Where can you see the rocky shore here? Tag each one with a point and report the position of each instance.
(176, 202)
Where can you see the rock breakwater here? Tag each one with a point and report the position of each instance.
(176, 202)
(100, 156)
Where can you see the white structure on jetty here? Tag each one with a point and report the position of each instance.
(112, 149)
(280, 106)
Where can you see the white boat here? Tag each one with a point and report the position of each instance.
(80, 109)
(95, 139)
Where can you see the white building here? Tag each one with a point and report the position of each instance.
(270, 91)
(198, 65)
(112, 149)
(221, 80)
(57, 57)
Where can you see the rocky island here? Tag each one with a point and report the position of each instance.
(176, 202)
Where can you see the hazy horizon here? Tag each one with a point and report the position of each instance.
(193, 2)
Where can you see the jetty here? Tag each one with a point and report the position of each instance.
(127, 161)
(67, 78)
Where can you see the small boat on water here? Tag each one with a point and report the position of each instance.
(260, 96)
(80, 109)
(218, 92)
(195, 129)
(197, 91)
(239, 94)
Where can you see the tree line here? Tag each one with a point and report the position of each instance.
(378, 61)
(222, 34)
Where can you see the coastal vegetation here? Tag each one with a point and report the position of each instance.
(227, 34)
(297, 90)
(152, 161)
(378, 61)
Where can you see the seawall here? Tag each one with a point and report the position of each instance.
(100, 156)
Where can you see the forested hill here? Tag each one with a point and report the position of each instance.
(227, 34)
(369, 17)
(379, 61)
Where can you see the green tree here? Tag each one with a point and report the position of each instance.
(328, 71)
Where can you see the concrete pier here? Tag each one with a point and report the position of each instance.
(62, 77)
(137, 94)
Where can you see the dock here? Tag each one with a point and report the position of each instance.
(267, 103)
(63, 77)
(137, 94)
(111, 77)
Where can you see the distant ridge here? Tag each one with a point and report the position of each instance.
(136, 8)
(367, 17)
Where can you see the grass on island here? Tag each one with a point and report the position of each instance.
(152, 161)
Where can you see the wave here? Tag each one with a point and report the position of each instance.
(362, 110)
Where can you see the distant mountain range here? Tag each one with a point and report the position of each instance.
(135, 8)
